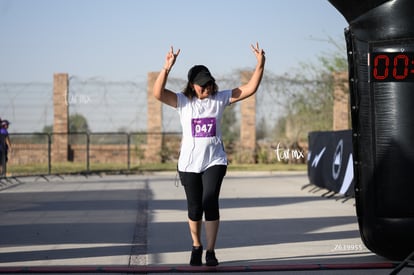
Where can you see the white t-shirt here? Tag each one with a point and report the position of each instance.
(201, 144)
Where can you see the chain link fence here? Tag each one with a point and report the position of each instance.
(115, 115)
(115, 106)
(33, 153)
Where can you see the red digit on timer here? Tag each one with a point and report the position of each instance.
(395, 73)
(384, 59)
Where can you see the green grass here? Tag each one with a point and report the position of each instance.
(72, 168)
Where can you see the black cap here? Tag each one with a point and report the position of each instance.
(200, 75)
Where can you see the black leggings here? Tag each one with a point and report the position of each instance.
(202, 191)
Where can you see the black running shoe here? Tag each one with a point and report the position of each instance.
(196, 255)
(211, 259)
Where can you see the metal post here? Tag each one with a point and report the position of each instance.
(129, 151)
(49, 153)
(87, 152)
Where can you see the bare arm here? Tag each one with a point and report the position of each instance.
(252, 85)
(164, 95)
(8, 143)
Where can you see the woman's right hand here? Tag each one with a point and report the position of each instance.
(170, 58)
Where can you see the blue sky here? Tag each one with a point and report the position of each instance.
(125, 39)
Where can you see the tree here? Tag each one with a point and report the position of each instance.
(78, 123)
(308, 97)
(229, 126)
(48, 129)
(261, 129)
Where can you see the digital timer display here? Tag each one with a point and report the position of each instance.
(392, 66)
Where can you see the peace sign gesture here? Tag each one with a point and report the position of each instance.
(170, 58)
(260, 54)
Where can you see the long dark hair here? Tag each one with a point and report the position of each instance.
(190, 93)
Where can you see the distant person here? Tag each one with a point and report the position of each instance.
(203, 162)
(5, 145)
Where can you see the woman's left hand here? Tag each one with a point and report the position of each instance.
(260, 54)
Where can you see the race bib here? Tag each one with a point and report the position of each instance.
(203, 127)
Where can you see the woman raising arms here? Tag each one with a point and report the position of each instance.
(202, 163)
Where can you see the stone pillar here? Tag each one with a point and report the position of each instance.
(60, 118)
(341, 102)
(248, 124)
(154, 123)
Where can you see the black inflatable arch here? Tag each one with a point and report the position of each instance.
(380, 46)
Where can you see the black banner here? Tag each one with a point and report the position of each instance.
(330, 163)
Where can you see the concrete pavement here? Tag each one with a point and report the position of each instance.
(137, 223)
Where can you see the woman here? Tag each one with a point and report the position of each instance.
(5, 146)
(203, 162)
